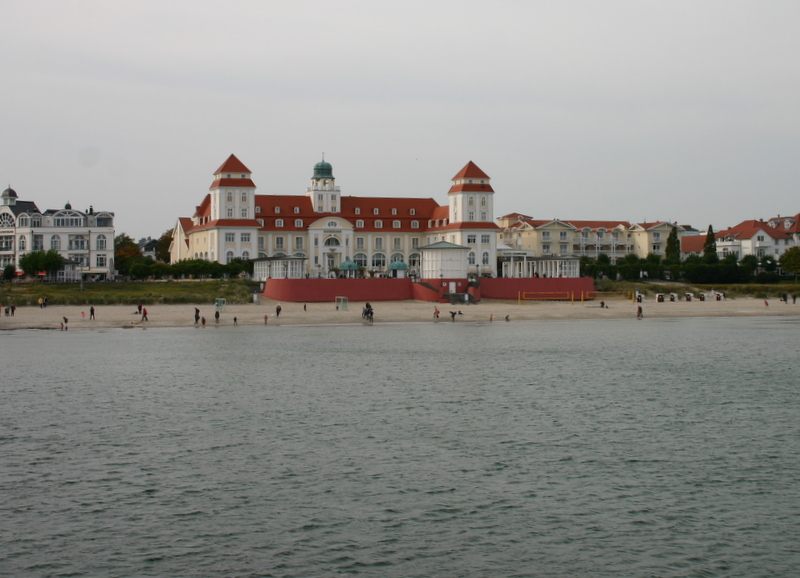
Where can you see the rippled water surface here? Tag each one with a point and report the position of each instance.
(595, 448)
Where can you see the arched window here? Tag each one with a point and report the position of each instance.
(360, 259)
(378, 224)
(22, 222)
(483, 201)
(471, 202)
(55, 243)
(229, 196)
(279, 222)
(359, 224)
(396, 224)
(261, 255)
(244, 197)
(298, 223)
(485, 260)
(332, 242)
(101, 242)
(245, 255)
(229, 256)
(413, 260)
(415, 224)
(379, 260)
(397, 257)
(471, 257)
(332, 224)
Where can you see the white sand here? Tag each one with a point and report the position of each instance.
(385, 311)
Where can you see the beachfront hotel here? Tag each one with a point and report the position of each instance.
(85, 239)
(324, 233)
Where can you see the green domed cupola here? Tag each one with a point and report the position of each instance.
(323, 170)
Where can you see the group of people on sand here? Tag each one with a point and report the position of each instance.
(368, 313)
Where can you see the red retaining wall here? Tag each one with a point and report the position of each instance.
(326, 290)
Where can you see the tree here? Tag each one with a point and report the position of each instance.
(32, 263)
(164, 241)
(710, 247)
(126, 253)
(673, 250)
(52, 262)
(8, 272)
(749, 263)
(790, 261)
(769, 264)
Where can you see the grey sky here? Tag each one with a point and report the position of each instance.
(684, 111)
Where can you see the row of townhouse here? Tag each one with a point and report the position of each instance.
(85, 239)
(562, 238)
(752, 237)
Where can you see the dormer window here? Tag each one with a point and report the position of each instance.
(228, 176)
(298, 223)
(394, 211)
(359, 224)
(413, 212)
(375, 212)
(244, 176)
(297, 210)
(258, 209)
(279, 222)
(277, 210)
(415, 224)
(378, 224)
(358, 211)
(396, 224)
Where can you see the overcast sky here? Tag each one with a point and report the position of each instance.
(634, 110)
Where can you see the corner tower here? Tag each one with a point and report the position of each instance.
(232, 192)
(471, 198)
(323, 192)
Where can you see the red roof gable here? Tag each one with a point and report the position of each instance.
(749, 229)
(232, 165)
(693, 243)
(232, 183)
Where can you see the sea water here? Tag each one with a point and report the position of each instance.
(578, 448)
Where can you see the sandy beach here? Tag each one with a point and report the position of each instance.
(385, 312)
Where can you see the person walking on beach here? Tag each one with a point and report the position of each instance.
(304, 307)
(91, 312)
(639, 313)
(216, 316)
(278, 310)
(196, 315)
(64, 326)
(139, 308)
(235, 321)
(144, 313)
(203, 321)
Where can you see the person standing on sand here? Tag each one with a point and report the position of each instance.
(203, 321)
(196, 315)
(278, 310)
(139, 308)
(235, 321)
(265, 319)
(304, 307)
(216, 316)
(64, 326)
(144, 313)
(91, 312)
(639, 313)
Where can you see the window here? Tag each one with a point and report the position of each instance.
(415, 242)
(244, 197)
(759, 237)
(230, 237)
(415, 224)
(277, 210)
(359, 224)
(378, 224)
(471, 216)
(229, 256)
(412, 212)
(562, 235)
(297, 210)
(101, 261)
(229, 197)
(22, 222)
(485, 259)
(298, 222)
(656, 248)
(244, 212)
(320, 197)
(379, 243)
(472, 257)
(397, 243)
(55, 243)
(471, 239)
(332, 242)
(245, 255)
(230, 212)
(471, 203)
(358, 211)
(360, 243)
(485, 239)
(279, 243)
(244, 237)
(379, 260)
(258, 209)
(77, 243)
(332, 224)
(101, 242)
(360, 259)
(656, 236)
(563, 249)
(545, 248)
(394, 211)
(279, 222)
(396, 224)
(413, 260)
(333, 197)
(260, 222)
(261, 242)
(375, 212)
(298, 243)
(546, 235)
(483, 215)
(483, 201)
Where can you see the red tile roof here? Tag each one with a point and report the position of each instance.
(231, 223)
(232, 165)
(470, 171)
(693, 243)
(749, 229)
(232, 183)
